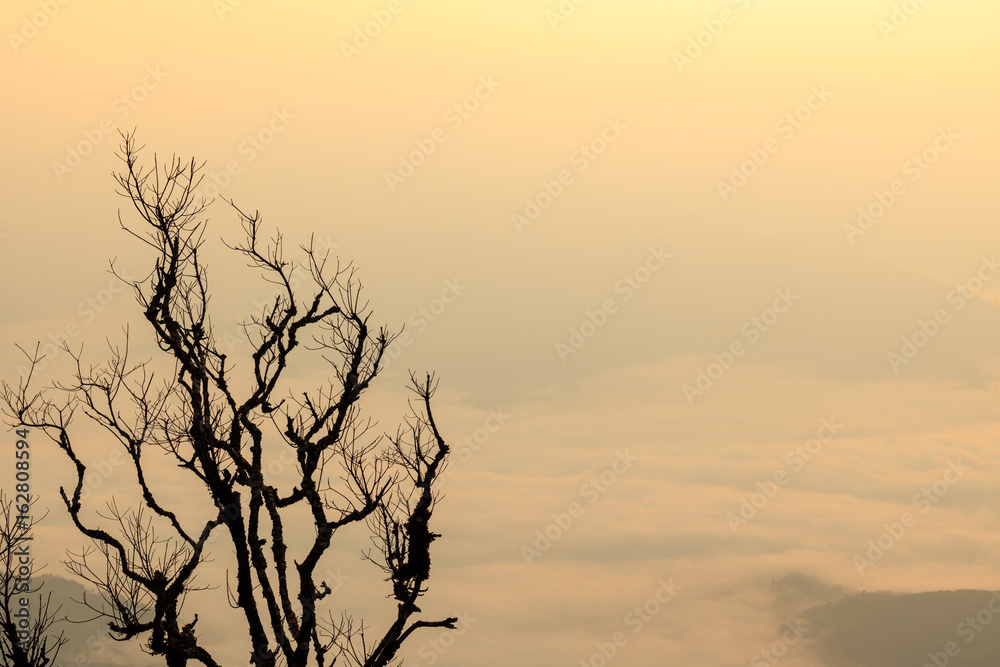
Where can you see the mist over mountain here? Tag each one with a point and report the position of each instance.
(851, 318)
(884, 629)
(89, 644)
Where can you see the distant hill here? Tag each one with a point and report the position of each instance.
(89, 643)
(907, 630)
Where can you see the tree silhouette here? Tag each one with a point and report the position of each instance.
(33, 646)
(145, 560)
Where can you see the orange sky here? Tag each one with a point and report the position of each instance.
(614, 200)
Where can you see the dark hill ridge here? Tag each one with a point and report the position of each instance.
(941, 628)
(89, 644)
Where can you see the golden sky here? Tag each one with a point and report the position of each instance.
(693, 233)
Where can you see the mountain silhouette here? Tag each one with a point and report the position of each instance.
(942, 628)
(89, 642)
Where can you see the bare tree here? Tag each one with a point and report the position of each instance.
(25, 640)
(144, 560)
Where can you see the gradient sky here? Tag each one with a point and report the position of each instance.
(698, 168)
